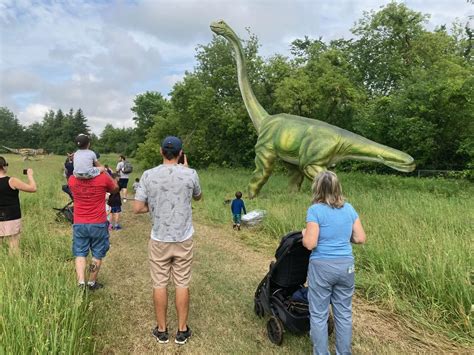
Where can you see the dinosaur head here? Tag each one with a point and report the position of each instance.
(222, 29)
(403, 162)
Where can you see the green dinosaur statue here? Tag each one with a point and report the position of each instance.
(307, 145)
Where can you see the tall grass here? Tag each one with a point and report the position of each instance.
(417, 260)
(41, 309)
(418, 257)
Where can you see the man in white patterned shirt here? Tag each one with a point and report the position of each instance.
(166, 191)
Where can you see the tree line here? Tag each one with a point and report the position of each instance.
(57, 130)
(395, 82)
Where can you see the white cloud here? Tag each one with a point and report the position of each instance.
(170, 80)
(34, 113)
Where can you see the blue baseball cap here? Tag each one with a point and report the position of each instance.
(172, 143)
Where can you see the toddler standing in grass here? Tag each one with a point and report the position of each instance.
(236, 207)
(135, 184)
(115, 203)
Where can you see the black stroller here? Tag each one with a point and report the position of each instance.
(66, 214)
(274, 293)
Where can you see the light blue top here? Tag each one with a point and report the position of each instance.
(335, 230)
(84, 160)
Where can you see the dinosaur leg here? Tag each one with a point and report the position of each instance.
(312, 170)
(264, 162)
(296, 177)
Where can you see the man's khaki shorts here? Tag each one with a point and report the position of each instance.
(168, 259)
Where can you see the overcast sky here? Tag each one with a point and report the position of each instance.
(98, 54)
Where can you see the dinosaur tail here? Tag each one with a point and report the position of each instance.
(11, 149)
(364, 149)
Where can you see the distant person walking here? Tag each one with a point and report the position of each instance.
(237, 206)
(123, 169)
(69, 165)
(90, 229)
(135, 185)
(166, 191)
(331, 225)
(10, 210)
(115, 203)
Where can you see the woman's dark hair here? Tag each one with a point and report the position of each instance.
(238, 194)
(170, 154)
(122, 157)
(3, 163)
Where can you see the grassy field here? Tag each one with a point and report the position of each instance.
(418, 257)
(417, 261)
(41, 309)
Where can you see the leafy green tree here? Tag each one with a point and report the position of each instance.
(207, 110)
(146, 107)
(115, 140)
(383, 53)
(33, 135)
(80, 123)
(276, 69)
(11, 131)
(321, 86)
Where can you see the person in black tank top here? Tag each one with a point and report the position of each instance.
(10, 211)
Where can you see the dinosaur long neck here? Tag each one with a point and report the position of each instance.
(256, 112)
(10, 149)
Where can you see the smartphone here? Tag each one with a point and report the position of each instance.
(181, 159)
(25, 171)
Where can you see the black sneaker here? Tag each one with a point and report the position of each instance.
(95, 286)
(161, 337)
(183, 336)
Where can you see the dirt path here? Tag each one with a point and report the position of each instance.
(225, 274)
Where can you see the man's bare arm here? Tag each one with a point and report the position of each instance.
(140, 207)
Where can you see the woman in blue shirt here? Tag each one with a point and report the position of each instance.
(331, 225)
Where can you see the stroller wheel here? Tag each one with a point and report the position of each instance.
(275, 330)
(258, 308)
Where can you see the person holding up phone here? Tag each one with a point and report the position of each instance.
(166, 192)
(10, 211)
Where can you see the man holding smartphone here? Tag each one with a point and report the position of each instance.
(166, 191)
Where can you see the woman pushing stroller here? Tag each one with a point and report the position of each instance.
(332, 225)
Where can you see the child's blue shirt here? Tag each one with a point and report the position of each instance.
(237, 206)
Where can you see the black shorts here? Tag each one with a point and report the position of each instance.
(122, 183)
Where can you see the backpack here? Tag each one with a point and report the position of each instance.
(127, 168)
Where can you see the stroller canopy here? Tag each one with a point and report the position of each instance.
(292, 259)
